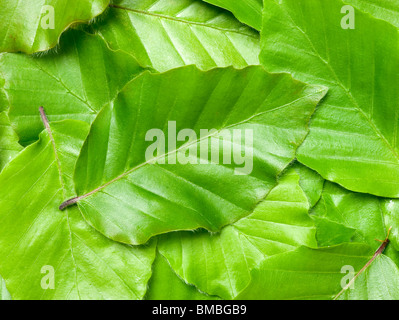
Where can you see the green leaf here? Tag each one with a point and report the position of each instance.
(359, 212)
(353, 138)
(4, 294)
(38, 240)
(247, 11)
(250, 11)
(166, 285)
(130, 195)
(387, 10)
(316, 274)
(165, 34)
(311, 183)
(74, 84)
(330, 233)
(340, 216)
(379, 282)
(9, 146)
(220, 264)
(32, 26)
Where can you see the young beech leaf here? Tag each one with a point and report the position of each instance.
(166, 285)
(9, 146)
(340, 216)
(250, 11)
(387, 10)
(74, 84)
(32, 26)
(353, 138)
(311, 183)
(356, 211)
(323, 273)
(49, 254)
(220, 264)
(343, 216)
(165, 34)
(247, 11)
(3, 96)
(130, 194)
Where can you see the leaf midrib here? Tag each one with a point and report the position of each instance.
(162, 16)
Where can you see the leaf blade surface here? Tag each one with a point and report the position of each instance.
(353, 136)
(113, 170)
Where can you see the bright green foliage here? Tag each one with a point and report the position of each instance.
(379, 282)
(382, 9)
(186, 155)
(250, 11)
(9, 146)
(4, 294)
(165, 34)
(3, 96)
(74, 84)
(356, 211)
(114, 172)
(353, 138)
(340, 216)
(86, 265)
(390, 210)
(319, 274)
(32, 26)
(247, 11)
(166, 285)
(220, 263)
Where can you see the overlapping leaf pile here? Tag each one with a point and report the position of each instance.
(78, 195)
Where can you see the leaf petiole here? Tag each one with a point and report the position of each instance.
(379, 251)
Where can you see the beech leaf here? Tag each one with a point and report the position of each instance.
(362, 269)
(4, 294)
(130, 194)
(166, 285)
(314, 274)
(220, 264)
(311, 183)
(32, 26)
(49, 254)
(9, 146)
(356, 211)
(165, 34)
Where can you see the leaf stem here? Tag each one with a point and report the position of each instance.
(379, 251)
